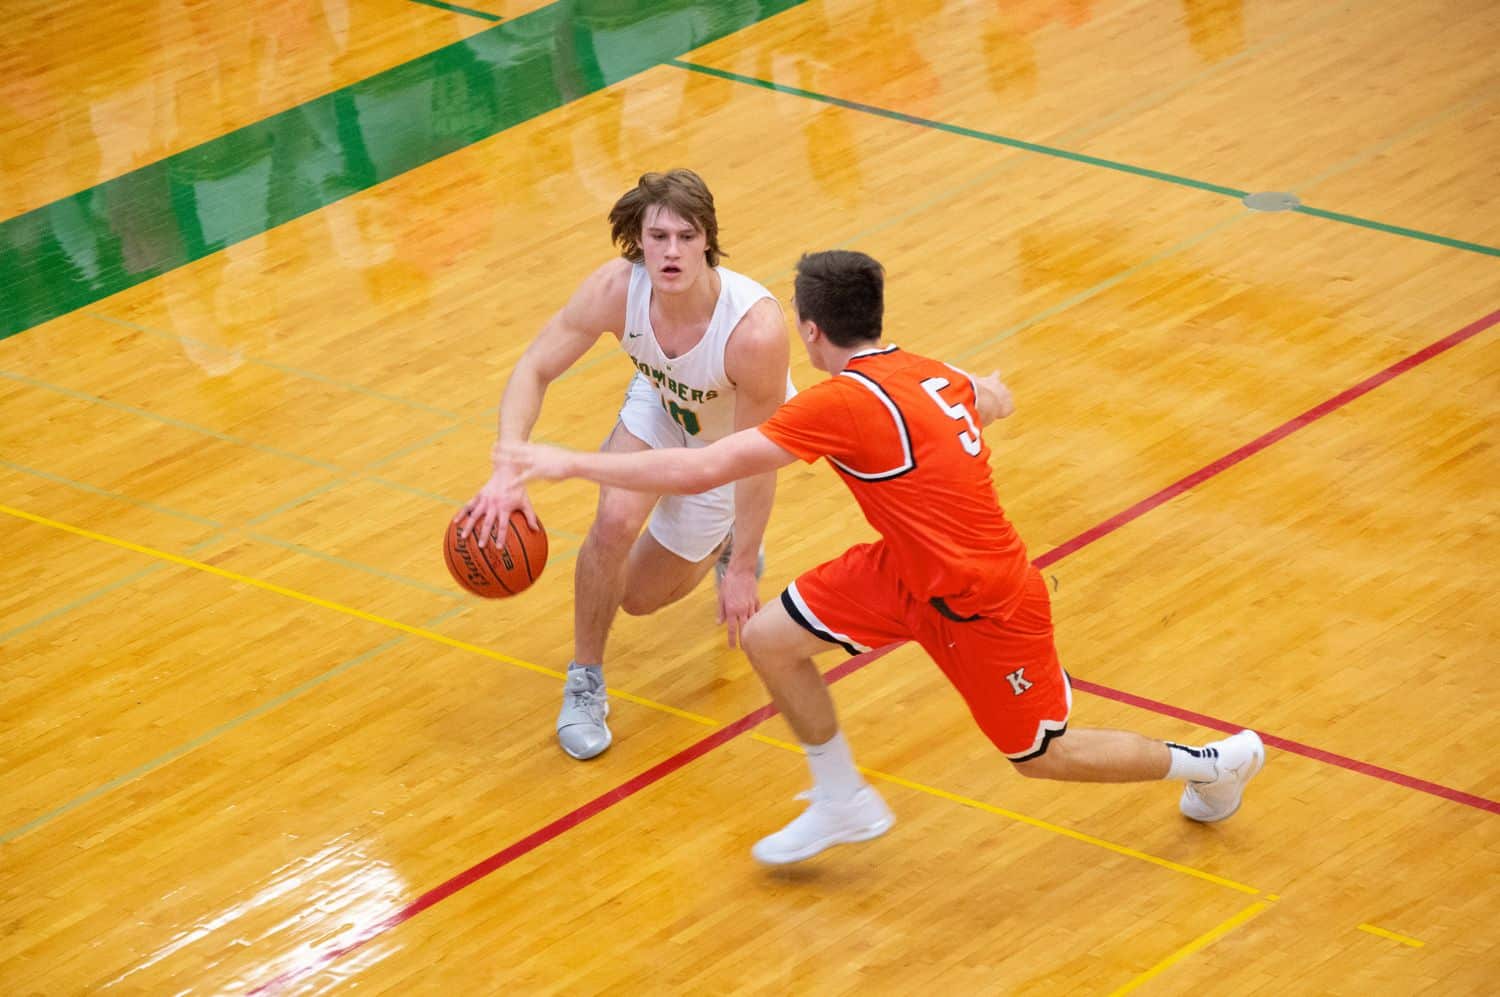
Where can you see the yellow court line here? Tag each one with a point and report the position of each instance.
(339, 607)
(1088, 839)
(439, 638)
(1403, 939)
(1201, 942)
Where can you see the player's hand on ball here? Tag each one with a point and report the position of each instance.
(488, 511)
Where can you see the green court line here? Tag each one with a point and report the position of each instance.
(155, 219)
(84, 486)
(102, 591)
(418, 446)
(281, 368)
(455, 8)
(228, 533)
(1076, 157)
(168, 420)
(80, 602)
(1410, 233)
(459, 420)
(292, 503)
(182, 749)
(943, 126)
(1081, 132)
(1201, 236)
(229, 725)
(1407, 134)
(343, 473)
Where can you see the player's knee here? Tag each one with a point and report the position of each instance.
(637, 604)
(1034, 768)
(1044, 766)
(753, 639)
(615, 528)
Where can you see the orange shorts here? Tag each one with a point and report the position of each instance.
(1006, 670)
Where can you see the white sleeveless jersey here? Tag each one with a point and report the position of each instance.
(693, 387)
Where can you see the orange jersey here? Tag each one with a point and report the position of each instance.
(903, 433)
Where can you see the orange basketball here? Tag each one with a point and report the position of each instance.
(508, 563)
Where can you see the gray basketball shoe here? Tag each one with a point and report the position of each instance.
(580, 725)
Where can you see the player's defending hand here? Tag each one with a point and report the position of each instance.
(534, 461)
(994, 401)
(502, 495)
(739, 599)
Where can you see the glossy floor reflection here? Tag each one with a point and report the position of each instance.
(263, 274)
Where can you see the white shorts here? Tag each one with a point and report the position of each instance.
(690, 526)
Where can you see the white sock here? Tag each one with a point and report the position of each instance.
(833, 771)
(1193, 764)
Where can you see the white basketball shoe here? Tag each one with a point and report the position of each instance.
(826, 823)
(1240, 757)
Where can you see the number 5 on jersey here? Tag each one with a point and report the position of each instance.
(969, 437)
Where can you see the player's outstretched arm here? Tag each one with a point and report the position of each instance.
(671, 471)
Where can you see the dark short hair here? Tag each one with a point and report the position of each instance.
(843, 293)
(683, 193)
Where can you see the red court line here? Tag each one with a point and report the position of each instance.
(725, 734)
(542, 835)
(1260, 443)
(1295, 747)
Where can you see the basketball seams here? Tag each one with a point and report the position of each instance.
(521, 546)
(453, 550)
(498, 569)
(495, 571)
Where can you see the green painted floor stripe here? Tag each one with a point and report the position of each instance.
(1410, 233)
(80, 249)
(1076, 157)
(912, 119)
(455, 8)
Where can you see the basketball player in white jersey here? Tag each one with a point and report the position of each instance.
(710, 351)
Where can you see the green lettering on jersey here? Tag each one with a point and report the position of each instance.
(685, 417)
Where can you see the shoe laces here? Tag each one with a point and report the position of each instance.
(589, 699)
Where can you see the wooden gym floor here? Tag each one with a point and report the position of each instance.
(264, 267)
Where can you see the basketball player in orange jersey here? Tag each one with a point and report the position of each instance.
(710, 352)
(903, 432)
